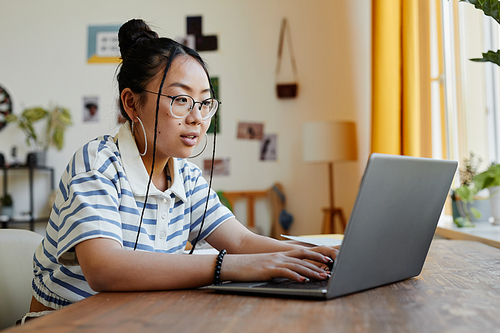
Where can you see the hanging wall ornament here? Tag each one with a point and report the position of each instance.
(289, 89)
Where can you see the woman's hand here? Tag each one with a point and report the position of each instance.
(259, 258)
(329, 251)
(298, 265)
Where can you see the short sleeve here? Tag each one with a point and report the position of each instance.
(91, 210)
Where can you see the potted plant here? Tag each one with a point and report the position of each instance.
(7, 205)
(467, 203)
(56, 118)
(490, 179)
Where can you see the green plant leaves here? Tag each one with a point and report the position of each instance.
(224, 200)
(488, 178)
(64, 116)
(466, 193)
(490, 8)
(10, 118)
(57, 119)
(6, 200)
(462, 222)
(25, 122)
(34, 114)
(477, 214)
(489, 56)
(58, 137)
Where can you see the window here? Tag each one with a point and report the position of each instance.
(465, 105)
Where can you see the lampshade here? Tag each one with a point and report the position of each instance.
(327, 141)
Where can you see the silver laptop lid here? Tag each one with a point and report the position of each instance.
(392, 223)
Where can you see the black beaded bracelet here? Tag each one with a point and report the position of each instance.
(218, 265)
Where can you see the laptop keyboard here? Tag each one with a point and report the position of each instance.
(289, 284)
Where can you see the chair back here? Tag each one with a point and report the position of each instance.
(16, 272)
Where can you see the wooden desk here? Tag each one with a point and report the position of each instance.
(483, 232)
(458, 290)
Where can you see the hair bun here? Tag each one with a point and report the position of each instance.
(133, 32)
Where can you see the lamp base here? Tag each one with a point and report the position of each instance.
(329, 225)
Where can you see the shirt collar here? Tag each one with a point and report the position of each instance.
(178, 181)
(137, 174)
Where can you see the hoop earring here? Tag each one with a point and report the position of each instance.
(205, 147)
(145, 139)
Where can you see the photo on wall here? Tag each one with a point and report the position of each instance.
(102, 44)
(90, 108)
(221, 167)
(268, 147)
(251, 131)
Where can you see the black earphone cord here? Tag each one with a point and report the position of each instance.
(209, 187)
(152, 169)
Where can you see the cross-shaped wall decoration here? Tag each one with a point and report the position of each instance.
(202, 43)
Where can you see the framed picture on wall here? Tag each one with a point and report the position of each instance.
(90, 108)
(221, 167)
(268, 147)
(250, 131)
(102, 44)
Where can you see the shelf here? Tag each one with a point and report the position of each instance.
(15, 221)
(31, 170)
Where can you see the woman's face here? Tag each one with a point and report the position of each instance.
(177, 137)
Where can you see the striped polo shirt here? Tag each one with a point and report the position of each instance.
(101, 194)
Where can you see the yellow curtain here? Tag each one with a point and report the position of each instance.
(400, 83)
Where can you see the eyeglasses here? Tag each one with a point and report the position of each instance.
(181, 105)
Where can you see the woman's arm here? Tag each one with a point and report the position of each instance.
(235, 238)
(108, 267)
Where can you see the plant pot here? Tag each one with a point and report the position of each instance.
(495, 204)
(37, 158)
(8, 211)
(41, 158)
(481, 203)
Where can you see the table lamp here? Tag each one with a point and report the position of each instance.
(330, 142)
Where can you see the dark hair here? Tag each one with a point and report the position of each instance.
(144, 54)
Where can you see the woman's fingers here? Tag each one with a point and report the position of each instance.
(320, 259)
(311, 254)
(327, 251)
(302, 270)
(296, 265)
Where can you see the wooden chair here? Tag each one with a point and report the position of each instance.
(250, 197)
(330, 224)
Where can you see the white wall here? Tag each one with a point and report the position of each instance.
(43, 61)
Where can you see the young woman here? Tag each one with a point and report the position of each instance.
(127, 205)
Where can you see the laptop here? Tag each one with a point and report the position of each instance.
(389, 232)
